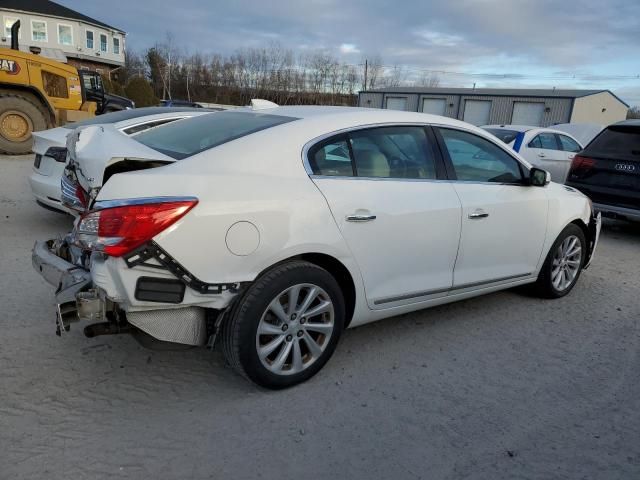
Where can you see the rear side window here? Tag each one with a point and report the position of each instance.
(544, 140)
(393, 152)
(568, 144)
(331, 158)
(194, 135)
(617, 141)
(402, 152)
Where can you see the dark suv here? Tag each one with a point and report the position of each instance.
(608, 171)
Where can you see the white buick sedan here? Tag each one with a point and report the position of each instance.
(272, 229)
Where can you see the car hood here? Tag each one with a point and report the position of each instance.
(92, 149)
(54, 137)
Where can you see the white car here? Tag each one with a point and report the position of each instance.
(51, 153)
(546, 148)
(272, 229)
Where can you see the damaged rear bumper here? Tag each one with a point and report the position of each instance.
(69, 280)
(79, 297)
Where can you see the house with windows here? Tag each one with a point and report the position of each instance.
(512, 106)
(63, 34)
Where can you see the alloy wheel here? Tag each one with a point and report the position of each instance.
(566, 263)
(295, 329)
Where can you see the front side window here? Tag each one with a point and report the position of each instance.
(116, 46)
(65, 35)
(103, 42)
(476, 159)
(8, 23)
(569, 144)
(544, 140)
(38, 31)
(89, 39)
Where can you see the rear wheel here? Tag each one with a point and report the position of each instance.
(563, 264)
(19, 118)
(286, 326)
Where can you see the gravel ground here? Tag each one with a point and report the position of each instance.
(501, 386)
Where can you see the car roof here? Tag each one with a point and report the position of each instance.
(353, 115)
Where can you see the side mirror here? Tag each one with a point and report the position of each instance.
(539, 177)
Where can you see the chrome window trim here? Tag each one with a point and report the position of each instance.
(311, 143)
(102, 204)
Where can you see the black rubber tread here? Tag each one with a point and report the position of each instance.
(35, 100)
(39, 120)
(232, 343)
(543, 286)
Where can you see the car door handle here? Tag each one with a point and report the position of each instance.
(477, 215)
(541, 155)
(360, 218)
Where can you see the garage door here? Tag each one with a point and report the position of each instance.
(527, 113)
(435, 106)
(396, 103)
(477, 112)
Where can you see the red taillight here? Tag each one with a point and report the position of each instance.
(581, 165)
(118, 230)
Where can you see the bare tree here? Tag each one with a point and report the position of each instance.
(429, 80)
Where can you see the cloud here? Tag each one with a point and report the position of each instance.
(348, 48)
(531, 38)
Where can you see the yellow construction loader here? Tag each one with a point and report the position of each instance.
(37, 93)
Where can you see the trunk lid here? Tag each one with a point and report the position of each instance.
(96, 148)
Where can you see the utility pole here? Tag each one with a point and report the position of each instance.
(366, 66)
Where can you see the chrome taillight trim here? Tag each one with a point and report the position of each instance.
(102, 204)
(68, 194)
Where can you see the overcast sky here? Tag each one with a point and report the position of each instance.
(545, 42)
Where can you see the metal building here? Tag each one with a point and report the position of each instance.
(483, 106)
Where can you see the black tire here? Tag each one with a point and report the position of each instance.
(544, 285)
(239, 331)
(23, 111)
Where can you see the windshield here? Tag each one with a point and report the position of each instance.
(184, 139)
(121, 115)
(507, 136)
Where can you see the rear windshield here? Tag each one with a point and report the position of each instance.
(507, 136)
(121, 115)
(189, 137)
(617, 141)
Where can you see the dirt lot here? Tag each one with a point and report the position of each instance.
(502, 386)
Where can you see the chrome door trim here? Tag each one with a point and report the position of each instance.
(426, 293)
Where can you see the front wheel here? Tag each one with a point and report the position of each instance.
(286, 326)
(563, 264)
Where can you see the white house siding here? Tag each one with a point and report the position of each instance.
(78, 49)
